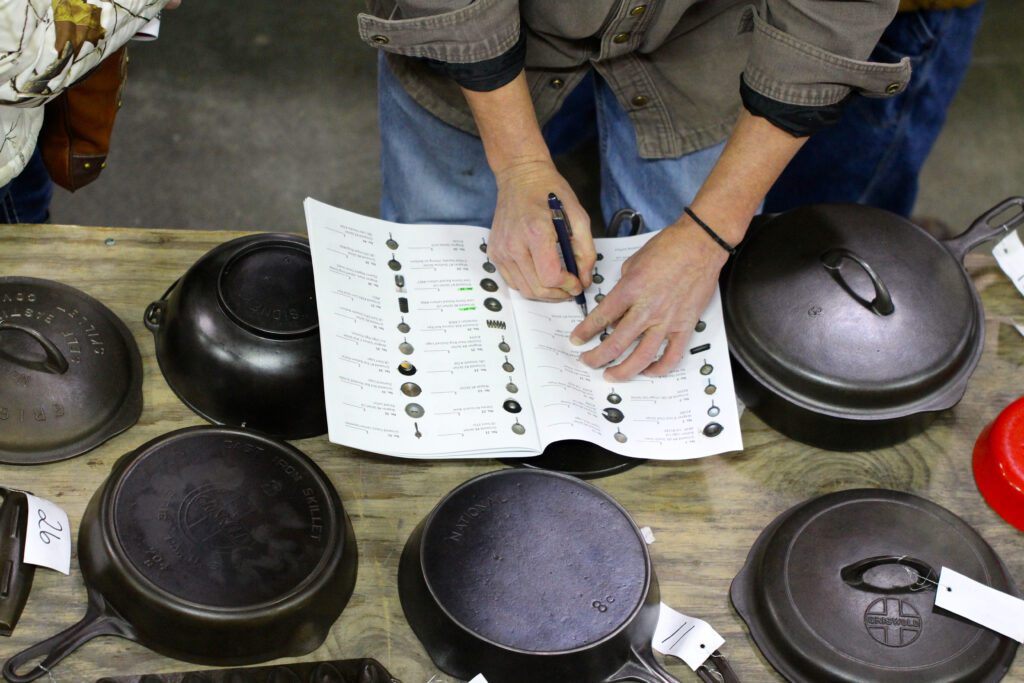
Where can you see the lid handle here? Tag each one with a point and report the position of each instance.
(982, 230)
(98, 621)
(634, 219)
(55, 361)
(833, 261)
(921, 578)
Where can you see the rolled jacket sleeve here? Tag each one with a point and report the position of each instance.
(811, 52)
(450, 31)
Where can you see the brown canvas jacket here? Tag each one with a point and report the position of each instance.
(674, 65)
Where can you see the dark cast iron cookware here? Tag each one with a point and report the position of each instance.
(70, 372)
(841, 588)
(528, 575)
(850, 327)
(238, 340)
(212, 545)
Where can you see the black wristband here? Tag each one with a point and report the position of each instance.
(711, 233)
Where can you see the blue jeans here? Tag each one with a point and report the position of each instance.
(434, 173)
(26, 199)
(875, 153)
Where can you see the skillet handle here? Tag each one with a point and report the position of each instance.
(641, 667)
(982, 230)
(717, 670)
(99, 620)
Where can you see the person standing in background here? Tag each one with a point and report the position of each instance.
(875, 153)
(48, 45)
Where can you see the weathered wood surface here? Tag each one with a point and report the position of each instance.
(705, 513)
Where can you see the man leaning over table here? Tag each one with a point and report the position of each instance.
(699, 104)
(45, 47)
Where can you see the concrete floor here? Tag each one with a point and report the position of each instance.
(232, 118)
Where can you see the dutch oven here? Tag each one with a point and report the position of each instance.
(70, 372)
(850, 327)
(842, 588)
(529, 575)
(237, 337)
(212, 545)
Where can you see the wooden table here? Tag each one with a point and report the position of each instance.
(704, 513)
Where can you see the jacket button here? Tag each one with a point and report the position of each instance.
(620, 38)
(380, 40)
(639, 100)
(892, 88)
(556, 83)
(638, 10)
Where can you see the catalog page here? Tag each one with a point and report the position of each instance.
(689, 413)
(418, 342)
(428, 353)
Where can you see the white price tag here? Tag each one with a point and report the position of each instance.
(149, 32)
(479, 678)
(1009, 253)
(648, 535)
(981, 604)
(689, 639)
(48, 537)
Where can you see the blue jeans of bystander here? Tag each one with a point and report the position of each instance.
(26, 199)
(875, 153)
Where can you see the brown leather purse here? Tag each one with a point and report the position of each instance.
(77, 124)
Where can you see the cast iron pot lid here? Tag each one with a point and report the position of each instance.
(852, 311)
(70, 372)
(841, 588)
(255, 514)
(535, 561)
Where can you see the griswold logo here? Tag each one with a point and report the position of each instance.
(893, 622)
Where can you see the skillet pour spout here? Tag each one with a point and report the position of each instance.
(212, 545)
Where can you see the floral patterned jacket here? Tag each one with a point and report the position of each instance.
(47, 45)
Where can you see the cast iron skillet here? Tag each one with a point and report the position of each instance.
(528, 575)
(238, 337)
(850, 327)
(211, 545)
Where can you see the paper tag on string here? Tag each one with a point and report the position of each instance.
(479, 678)
(689, 639)
(648, 534)
(1009, 253)
(983, 605)
(48, 535)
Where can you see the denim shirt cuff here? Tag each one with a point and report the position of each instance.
(480, 31)
(789, 70)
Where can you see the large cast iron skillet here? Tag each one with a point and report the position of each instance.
(527, 575)
(212, 545)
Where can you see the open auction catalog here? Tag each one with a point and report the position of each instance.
(427, 353)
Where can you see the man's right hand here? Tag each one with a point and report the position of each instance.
(523, 243)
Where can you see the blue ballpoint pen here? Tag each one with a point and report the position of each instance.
(564, 232)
